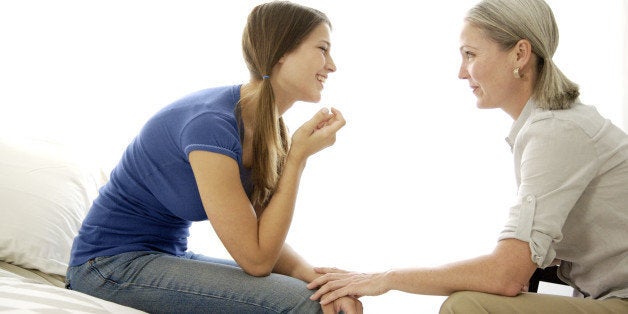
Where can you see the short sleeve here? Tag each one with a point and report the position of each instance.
(213, 132)
(558, 160)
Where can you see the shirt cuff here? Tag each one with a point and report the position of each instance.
(521, 226)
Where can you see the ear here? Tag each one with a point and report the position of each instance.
(282, 59)
(522, 53)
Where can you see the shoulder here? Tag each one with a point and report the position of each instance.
(222, 98)
(203, 117)
(209, 105)
(560, 132)
(579, 118)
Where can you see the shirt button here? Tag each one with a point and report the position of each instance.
(530, 198)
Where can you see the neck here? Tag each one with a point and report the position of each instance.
(525, 91)
(248, 101)
(282, 104)
(516, 108)
(248, 104)
(520, 98)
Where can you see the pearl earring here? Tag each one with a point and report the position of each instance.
(516, 73)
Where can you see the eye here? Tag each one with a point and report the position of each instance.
(469, 54)
(324, 49)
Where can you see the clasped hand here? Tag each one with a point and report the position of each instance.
(317, 133)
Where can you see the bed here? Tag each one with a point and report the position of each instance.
(46, 189)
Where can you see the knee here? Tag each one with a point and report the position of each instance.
(300, 301)
(288, 294)
(307, 306)
(462, 302)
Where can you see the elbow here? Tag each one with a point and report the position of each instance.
(501, 288)
(257, 263)
(507, 285)
(510, 290)
(257, 271)
(257, 268)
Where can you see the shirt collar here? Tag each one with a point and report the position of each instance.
(518, 124)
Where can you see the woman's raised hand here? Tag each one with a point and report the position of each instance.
(317, 133)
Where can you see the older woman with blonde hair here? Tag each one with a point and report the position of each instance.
(571, 166)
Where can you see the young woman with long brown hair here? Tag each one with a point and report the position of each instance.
(221, 154)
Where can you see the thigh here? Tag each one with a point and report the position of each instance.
(161, 283)
(209, 259)
(478, 302)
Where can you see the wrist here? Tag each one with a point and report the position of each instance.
(303, 272)
(296, 159)
(389, 279)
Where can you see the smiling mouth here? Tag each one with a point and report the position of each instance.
(321, 78)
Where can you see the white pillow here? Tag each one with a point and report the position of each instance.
(45, 192)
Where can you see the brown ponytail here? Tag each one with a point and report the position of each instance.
(272, 30)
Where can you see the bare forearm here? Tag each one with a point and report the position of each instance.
(255, 241)
(277, 216)
(274, 223)
(292, 264)
(506, 271)
(503, 272)
(475, 275)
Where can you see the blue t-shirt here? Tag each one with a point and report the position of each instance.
(152, 198)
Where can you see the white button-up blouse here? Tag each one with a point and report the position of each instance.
(571, 168)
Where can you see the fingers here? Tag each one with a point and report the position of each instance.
(326, 283)
(320, 280)
(317, 133)
(334, 118)
(319, 119)
(348, 305)
(329, 274)
(321, 270)
(360, 308)
(333, 295)
(319, 293)
(328, 309)
(337, 113)
(325, 270)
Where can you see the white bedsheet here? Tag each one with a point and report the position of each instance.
(23, 290)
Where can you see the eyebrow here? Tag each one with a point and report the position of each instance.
(326, 42)
(466, 46)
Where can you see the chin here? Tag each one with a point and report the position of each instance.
(481, 104)
(485, 106)
(312, 98)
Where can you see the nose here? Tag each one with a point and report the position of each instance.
(330, 65)
(463, 74)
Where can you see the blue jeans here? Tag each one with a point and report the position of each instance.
(161, 283)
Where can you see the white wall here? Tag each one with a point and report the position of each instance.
(418, 177)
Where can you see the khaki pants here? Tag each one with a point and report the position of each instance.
(478, 302)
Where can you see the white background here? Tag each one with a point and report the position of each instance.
(418, 177)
